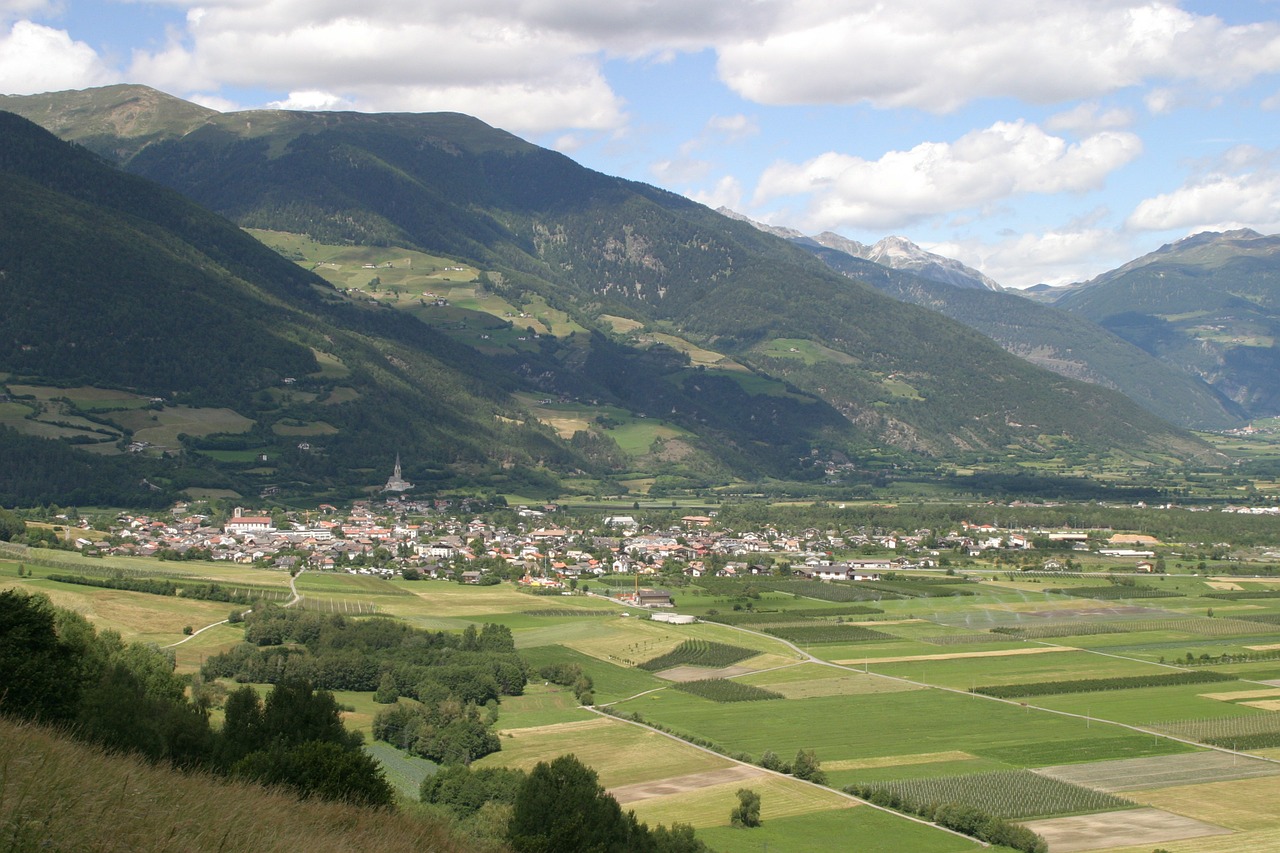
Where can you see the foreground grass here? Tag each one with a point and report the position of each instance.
(56, 794)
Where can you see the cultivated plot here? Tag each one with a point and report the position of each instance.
(1118, 829)
(1162, 771)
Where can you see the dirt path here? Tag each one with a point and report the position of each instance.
(293, 588)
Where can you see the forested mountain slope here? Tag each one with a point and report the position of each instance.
(1057, 340)
(113, 282)
(1208, 305)
(857, 369)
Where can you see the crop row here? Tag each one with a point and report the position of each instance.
(830, 633)
(837, 591)
(337, 605)
(1266, 618)
(1242, 594)
(1247, 743)
(569, 611)
(724, 690)
(1203, 626)
(748, 617)
(1048, 630)
(1010, 794)
(1111, 593)
(1223, 731)
(798, 615)
(206, 591)
(920, 588)
(1095, 685)
(964, 639)
(698, 653)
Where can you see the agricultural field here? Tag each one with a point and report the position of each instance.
(1097, 713)
(101, 416)
(633, 435)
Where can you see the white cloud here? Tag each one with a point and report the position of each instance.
(214, 102)
(1088, 117)
(35, 58)
(682, 170)
(1214, 202)
(567, 143)
(1272, 103)
(733, 128)
(979, 168)
(1160, 101)
(727, 192)
(1054, 257)
(24, 8)
(939, 54)
(505, 65)
(311, 99)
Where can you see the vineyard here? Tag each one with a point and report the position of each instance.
(1009, 794)
(698, 653)
(831, 633)
(1097, 685)
(724, 690)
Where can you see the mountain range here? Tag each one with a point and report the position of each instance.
(1096, 332)
(601, 328)
(1208, 304)
(894, 252)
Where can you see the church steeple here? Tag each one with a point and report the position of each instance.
(397, 483)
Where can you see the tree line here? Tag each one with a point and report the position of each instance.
(57, 669)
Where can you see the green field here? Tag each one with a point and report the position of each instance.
(910, 719)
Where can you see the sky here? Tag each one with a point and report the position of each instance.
(1035, 140)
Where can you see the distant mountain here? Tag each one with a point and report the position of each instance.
(1208, 305)
(762, 360)
(897, 253)
(1068, 345)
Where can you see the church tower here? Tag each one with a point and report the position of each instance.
(397, 483)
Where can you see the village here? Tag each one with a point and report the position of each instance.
(546, 549)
